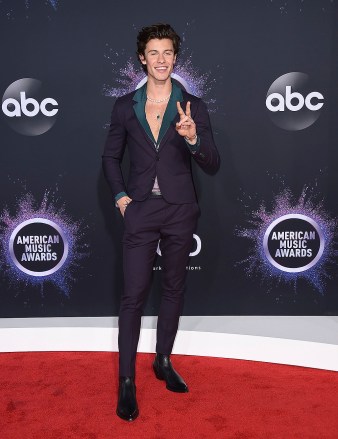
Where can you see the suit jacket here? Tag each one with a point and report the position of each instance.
(170, 160)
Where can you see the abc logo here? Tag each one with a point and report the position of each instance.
(23, 105)
(292, 104)
(26, 108)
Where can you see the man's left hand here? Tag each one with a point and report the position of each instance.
(186, 126)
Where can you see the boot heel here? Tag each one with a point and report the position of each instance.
(158, 376)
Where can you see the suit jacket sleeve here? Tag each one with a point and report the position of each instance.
(113, 151)
(206, 156)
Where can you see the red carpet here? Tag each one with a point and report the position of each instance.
(59, 395)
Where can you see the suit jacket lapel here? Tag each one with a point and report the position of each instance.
(141, 116)
(171, 115)
(170, 118)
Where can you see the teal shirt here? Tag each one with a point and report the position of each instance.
(171, 110)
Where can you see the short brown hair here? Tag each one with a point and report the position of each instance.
(160, 31)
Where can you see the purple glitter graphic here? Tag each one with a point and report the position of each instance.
(26, 208)
(285, 203)
(128, 76)
(11, 10)
(53, 3)
(298, 6)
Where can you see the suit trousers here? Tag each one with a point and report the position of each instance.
(147, 222)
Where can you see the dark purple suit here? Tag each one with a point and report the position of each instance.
(171, 219)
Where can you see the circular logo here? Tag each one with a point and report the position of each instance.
(293, 243)
(38, 247)
(292, 103)
(26, 108)
(194, 252)
(177, 79)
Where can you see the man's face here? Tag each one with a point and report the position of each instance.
(159, 58)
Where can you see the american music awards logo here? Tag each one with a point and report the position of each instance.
(295, 239)
(41, 243)
(38, 246)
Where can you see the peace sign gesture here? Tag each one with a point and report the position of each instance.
(186, 126)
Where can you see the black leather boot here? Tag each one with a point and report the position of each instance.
(127, 408)
(164, 371)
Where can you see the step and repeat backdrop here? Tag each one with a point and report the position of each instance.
(266, 243)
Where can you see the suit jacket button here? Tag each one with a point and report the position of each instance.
(157, 158)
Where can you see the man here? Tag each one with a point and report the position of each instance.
(163, 127)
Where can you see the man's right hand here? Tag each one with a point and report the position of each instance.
(123, 203)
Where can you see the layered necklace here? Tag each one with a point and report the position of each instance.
(158, 101)
(158, 116)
